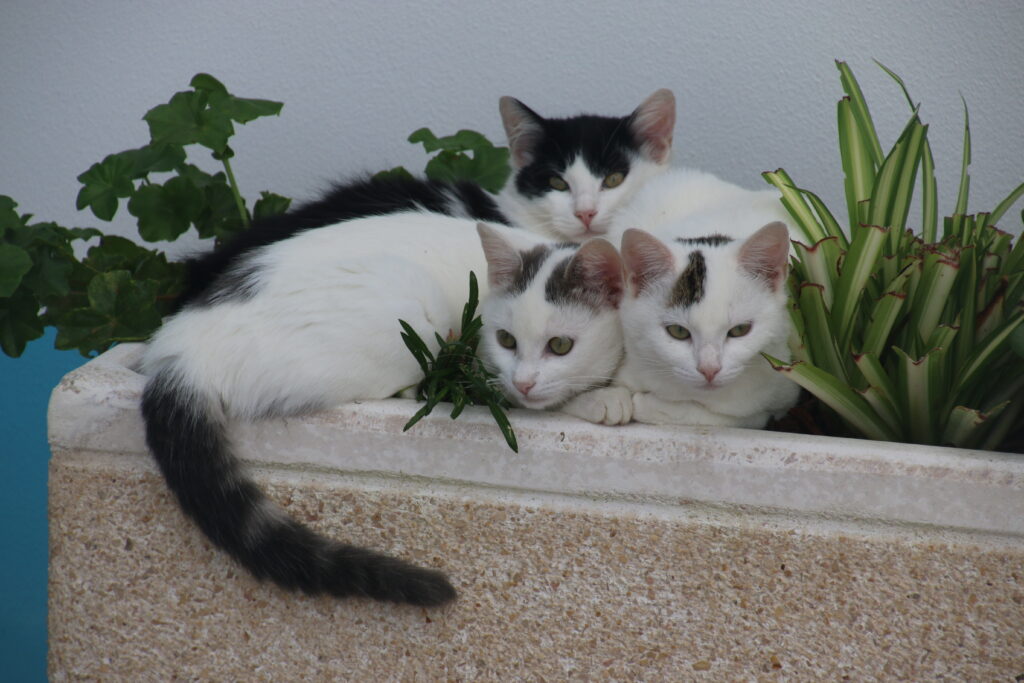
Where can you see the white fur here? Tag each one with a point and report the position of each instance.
(663, 374)
(323, 328)
(706, 203)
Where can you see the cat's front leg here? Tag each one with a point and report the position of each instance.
(650, 409)
(609, 406)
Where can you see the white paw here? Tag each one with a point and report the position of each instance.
(649, 409)
(609, 406)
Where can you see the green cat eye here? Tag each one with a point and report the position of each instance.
(740, 330)
(506, 340)
(677, 332)
(613, 180)
(560, 345)
(558, 183)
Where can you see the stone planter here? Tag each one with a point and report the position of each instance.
(621, 553)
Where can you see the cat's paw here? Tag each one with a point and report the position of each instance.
(609, 406)
(650, 409)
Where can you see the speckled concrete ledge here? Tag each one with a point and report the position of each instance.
(633, 553)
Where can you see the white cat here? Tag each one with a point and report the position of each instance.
(705, 297)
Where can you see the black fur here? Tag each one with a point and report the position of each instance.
(715, 240)
(689, 288)
(605, 143)
(222, 274)
(194, 455)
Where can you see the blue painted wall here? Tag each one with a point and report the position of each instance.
(25, 385)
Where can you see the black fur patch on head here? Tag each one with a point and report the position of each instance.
(210, 276)
(532, 261)
(689, 288)
(605, 143)
(566, 286)
(715, 240)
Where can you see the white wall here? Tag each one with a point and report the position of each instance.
(756, 82)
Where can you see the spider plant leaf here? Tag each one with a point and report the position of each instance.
(984, 352)
(884, 315)
(820, 264)
(820, 333)
(965, 178)
(1004, 206)
(871, 368)
(932, 293)
(857, 160)
(882, 406)
(838, 395)
(859, 107)
(860, 262)
(795, 205)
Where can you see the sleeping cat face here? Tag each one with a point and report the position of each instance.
(550, 322)
(699, 311)
(570, 176)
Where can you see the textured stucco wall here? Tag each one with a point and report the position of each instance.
(755, 81)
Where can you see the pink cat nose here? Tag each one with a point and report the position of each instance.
(524, 387)
(586, 216)
(709, 372)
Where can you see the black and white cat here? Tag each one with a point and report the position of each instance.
(302, 314)
(705, 297)
(570, 176)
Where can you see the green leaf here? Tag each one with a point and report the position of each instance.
(859, 107)
(19, 322)
(883, 317)
(965, 178)
(187, 120)
(820, 333)
(932, 293)
(835, 393)
(860, 262)
(104, 183)
(166, 211)
(858, 163)
(270, 204)
(396, 173)
(1004, 206)
(14, 264)
(794, 202)
(466, 155)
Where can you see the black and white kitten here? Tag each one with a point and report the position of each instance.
(569, 178)
(302, 315)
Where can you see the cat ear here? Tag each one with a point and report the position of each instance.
(523, 128)
(765, 254)
(503, 260)
(653, 122)
(597, 267)
(646, 259)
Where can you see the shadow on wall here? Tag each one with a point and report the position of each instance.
(25, 385)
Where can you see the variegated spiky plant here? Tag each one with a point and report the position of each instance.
(907, 336)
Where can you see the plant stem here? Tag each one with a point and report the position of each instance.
(233, 184)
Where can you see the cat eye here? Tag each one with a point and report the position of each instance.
(739, 330)
(558, 183)
(613, 180)
(506, 340)
(560, 345)
(678, 332)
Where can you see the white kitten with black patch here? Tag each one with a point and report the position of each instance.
(702, 303)
(551, 325)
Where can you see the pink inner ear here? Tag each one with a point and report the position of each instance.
(653, 122)
(645, 257)
(765, 254)
(601, 269)
(522, 126)
(503, 260)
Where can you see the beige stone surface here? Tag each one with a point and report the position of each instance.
(634, 553)
(549, 590)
